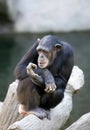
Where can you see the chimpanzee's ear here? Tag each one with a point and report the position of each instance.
(58, 47)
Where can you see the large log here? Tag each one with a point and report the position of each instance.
(59, 114)
(81, 124)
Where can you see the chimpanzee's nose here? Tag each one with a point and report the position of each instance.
(42, 56)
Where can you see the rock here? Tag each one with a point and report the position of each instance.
(50, 15)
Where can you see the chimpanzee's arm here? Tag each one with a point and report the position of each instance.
(38, 80)
(63, 75)
(41, 77)
(35, 74)
(46, 81)
(50, 85)
(30, 56)
(60, 82)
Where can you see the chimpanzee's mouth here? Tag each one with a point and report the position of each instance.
(41, 63)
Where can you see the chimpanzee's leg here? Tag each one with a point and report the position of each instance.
(50, 100)
(27, 96)
(29, 99)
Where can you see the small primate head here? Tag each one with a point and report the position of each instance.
(47, 50)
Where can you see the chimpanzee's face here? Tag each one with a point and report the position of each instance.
(43, 58)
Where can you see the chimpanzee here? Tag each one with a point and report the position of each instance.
(43, 73)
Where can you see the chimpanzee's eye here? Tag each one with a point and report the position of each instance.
(39, 51)
(44, 51)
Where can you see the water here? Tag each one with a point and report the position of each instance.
(13, 47)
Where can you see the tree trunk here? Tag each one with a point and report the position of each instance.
(9, 111)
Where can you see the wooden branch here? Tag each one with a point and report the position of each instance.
(59, 115)
(82, 124)
(1, 104)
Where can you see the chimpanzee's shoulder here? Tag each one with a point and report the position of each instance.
(67, 48)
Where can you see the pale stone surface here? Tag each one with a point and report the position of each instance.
(50, 15)
(60, 113)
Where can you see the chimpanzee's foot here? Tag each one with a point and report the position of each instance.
(22, 110)
(40, 113)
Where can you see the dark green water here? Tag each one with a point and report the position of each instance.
(13, 47)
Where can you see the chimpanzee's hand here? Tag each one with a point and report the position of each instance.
(36, 79)
(30, 68)
(50, 85)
